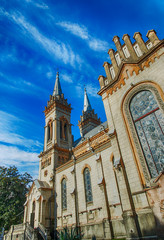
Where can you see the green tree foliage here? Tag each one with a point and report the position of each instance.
(13, 189)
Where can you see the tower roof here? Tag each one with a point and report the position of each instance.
(87, 105)
(57, 89)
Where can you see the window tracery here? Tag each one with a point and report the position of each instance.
(88, 187)
(149, 124)
(64, 194)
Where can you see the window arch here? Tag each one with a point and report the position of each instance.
(49, 130)
(148, 120)
(64, 194)
(87, 184)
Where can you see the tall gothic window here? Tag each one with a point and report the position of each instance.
(64, 194)
(149, 123)
(61, 134)
(49, 131)
(88, 187)
(65, 131)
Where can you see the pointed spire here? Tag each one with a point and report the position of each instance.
(57, 89)
(87, 105)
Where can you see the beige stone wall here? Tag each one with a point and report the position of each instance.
(113, 105)
(67, 216)
(96, 211)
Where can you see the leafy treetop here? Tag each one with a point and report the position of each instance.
(13, 189)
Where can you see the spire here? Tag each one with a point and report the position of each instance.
(87, 105)
(57, 89)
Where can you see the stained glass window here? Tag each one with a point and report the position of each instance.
(64, 194)
(149, 123)
(88, 188)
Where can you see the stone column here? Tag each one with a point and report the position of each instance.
(153, 37)
(116, 40)
(113, 60)
(138, 37)
(101, 81)
(106, 65)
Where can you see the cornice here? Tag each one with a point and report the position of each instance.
(135, 66)
(57, 104)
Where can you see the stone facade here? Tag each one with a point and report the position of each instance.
(126, 199)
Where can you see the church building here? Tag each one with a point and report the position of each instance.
(110, 182)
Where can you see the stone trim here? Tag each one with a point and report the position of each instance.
(84, 167)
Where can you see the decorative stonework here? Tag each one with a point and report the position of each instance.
(143, 86)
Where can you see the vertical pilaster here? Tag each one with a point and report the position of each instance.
(45, 138)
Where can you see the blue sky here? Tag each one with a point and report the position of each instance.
(36, 38)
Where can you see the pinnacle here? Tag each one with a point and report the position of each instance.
(87, 105)
(57, 89)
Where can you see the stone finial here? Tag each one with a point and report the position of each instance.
(153, 37)
(116, 40)
(106, 65)
(138, 37)
(113, 60)
(129, 45)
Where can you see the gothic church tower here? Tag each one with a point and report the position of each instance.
(58, 135)
(89, 119)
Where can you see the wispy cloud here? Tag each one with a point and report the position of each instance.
(82, 32)
(21, 85)
(16, 149)
(10, 155)
(75, 29)
(66, 78)
(91, 90)
(8, 127)
(58, 50)
(41, 5)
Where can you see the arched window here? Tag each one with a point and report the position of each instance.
(64, 194)
(65, 131)
(88, 187)
(149, 124)
(49, 131)
(61, 133)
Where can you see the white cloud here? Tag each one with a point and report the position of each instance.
(49, 74)
(8, 127)
(39, 5)
(27, 161)
(98, 45)
(75, 29)
(66, 78)
(91, 90)
(56, 49)
(82, 32)
(10, 155)
(22, 86)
